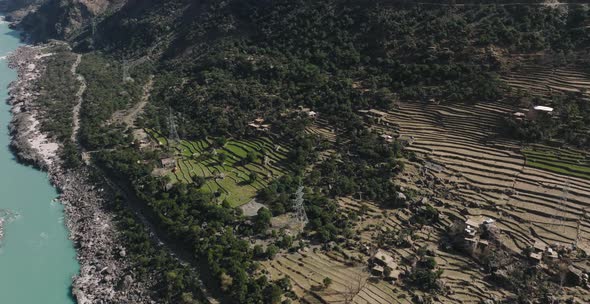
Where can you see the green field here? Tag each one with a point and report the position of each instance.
(563, 161)
(231, 179)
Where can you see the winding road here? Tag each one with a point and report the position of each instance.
(79, 96)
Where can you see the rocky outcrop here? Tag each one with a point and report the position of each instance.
(106, 276)
(56, 19)
(28, 143)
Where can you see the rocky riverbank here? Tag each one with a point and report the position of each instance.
(106, 276)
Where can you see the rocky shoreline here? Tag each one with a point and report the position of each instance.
(106, 276)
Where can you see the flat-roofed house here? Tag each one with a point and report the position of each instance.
(383, 259)
(535, 112)
(168, 162)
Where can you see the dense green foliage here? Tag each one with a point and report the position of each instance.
(58, 95)
(175, 281)
(233, 61)
(366, 166)
(106, 93)
(225, 63)
(569, 123)
(424, 276)
(191, 217)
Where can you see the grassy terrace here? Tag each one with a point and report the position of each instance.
(564, 161)
(232, 177)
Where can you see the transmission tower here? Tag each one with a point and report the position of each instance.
(172, 125)
(298, 206)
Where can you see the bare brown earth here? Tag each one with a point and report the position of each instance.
(491, 175)
(481, 174)
(352, 282)
(128, 116)
(539, 80)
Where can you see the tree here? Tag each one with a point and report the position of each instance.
(272, 294)
(187, 298)
(327, 282)
(271, 251)
(226, 281)
(386, 272)
(70, 155)
(222, 157)
(252, 177)
(262, 220)
(355, 286)
(252, 156)
(285, 284)
(220, 141)
(258, 251)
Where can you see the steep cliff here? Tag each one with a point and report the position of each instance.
(61, 19)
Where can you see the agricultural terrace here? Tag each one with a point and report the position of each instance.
(564, 161)
(487, 176)
(236, 171)
(542, 81)
(462, 164)
(346, 267)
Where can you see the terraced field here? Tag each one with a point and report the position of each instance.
(533, 193)
(231, 178)
(490, 176)
(542, 80)
(570, 162)
(536, 193)
(352, 280)
(323, 129)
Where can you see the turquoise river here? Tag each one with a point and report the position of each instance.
(37, 260)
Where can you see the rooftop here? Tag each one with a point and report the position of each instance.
(543, 108)
(385, 258)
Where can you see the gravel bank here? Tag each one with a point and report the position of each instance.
(106, 276)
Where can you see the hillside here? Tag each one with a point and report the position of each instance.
(335, 151)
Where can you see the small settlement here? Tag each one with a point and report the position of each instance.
(383, 265)
(533, 113)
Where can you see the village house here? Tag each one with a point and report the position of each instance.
(258, 125)
(577, 276)
(519, 115)
(474, 226)
(168, 162)
(382, 260)
(401, 196)
(535, 112)
(551, 253)
(387, 138)
(536, 254)
(542, 250)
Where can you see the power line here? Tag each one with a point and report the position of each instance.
(172, 126)
(298, 207)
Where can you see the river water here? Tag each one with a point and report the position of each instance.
(37, 260)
